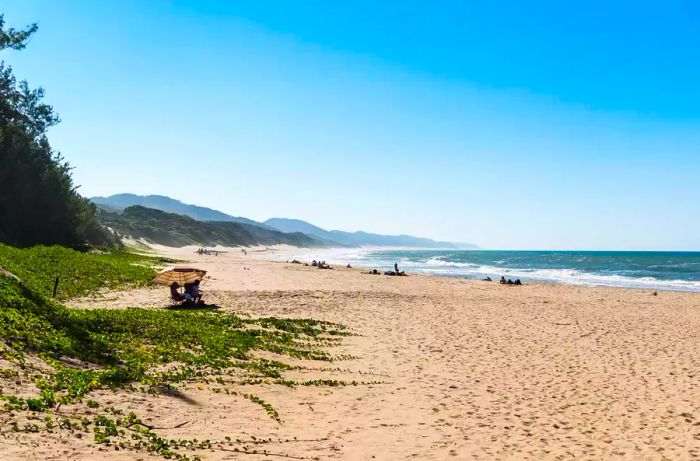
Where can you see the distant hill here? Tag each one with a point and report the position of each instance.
(188, 231)
(173, 229)
(359, 238)
(297, 225)
(119, 202)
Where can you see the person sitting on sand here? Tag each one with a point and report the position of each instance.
(188, 292)
(487, 279)
(192, 294)
(510, 282)
(175, 294)
(517, 282)
(314, 263)
(503, 280)
(196, 293)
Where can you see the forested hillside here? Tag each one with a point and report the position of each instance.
(172, 229)
(118, 202)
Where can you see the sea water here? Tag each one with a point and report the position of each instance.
(657, 270)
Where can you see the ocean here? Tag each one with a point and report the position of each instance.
(658, 270)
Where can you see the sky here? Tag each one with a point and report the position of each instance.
(511, 125)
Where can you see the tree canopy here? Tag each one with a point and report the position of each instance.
(39, 204)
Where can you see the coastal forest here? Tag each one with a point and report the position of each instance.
(39, 203)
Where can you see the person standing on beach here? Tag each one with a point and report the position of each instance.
(396, 268)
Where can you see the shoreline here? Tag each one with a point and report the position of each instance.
(350, 256)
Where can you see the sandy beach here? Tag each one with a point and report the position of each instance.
(445, 369)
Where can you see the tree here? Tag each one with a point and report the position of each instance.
(38, 200)
(17, 40)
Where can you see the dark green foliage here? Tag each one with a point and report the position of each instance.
(38, 201)
(14, 39)
(177, 230)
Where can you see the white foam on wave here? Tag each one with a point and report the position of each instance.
(435, 261)
(570, 276)
(439, 265)
(330, 255)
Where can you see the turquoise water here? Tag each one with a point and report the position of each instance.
(651, 270)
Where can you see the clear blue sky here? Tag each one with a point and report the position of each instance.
(551, 125)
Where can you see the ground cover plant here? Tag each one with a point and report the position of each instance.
(79, 273)
(53, 356)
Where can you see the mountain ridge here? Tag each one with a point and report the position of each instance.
(361, 238)
(172, 229)
(120, 202)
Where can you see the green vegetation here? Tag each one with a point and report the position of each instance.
(67, 354)
(176, 230)
(152, 347)
(79, 273)
(38, 201)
